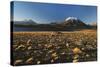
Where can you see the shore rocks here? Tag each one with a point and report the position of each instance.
(56, 47)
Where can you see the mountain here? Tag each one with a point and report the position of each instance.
(73, 21)
(25, 22)
(93, 24)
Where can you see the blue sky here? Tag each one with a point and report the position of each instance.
(46, 13)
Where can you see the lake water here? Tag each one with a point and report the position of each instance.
(19, 29)
(22, 29)
(30, 29)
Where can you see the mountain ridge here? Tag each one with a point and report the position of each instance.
(69, 24)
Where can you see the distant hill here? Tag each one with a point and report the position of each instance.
(93, 24)
(25, 22)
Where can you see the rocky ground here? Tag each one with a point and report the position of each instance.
(53, 47)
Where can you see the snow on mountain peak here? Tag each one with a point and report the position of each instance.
(71, 18)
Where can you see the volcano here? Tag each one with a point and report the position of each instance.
(74, 22)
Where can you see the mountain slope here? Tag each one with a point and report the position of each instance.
(25, 22)
(73, 21)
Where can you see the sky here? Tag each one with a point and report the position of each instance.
(46, 13)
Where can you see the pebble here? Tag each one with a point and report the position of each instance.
(29, 60)
(75, 61)
(18, 62)
(76, 50)
(38, 62)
